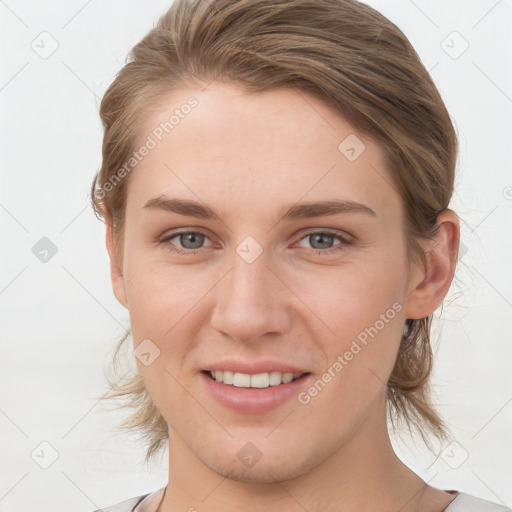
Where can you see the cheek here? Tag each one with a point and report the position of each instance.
(347, 300)
(359, 358)
(165, 305)
(168, 305)
(361, 326)
(162, 296)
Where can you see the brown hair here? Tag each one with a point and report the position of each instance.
(342, 52)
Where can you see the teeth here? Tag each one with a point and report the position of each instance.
(259, 380)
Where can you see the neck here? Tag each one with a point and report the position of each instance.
(363, 474)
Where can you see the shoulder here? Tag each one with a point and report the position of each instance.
(145, 503)
(124, 506)
(464, 502)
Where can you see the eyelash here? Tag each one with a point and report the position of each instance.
(190, 252)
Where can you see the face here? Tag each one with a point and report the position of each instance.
(253, 279)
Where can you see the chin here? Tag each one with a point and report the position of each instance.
(279, 469)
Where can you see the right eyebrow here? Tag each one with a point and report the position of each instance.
(183, 207)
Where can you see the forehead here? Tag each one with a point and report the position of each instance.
(248, 152)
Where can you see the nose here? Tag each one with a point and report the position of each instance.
(251, 301)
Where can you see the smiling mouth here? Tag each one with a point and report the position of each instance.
(257, 381)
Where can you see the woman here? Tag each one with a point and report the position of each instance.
(275, 185)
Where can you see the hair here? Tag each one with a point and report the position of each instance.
(342, 52)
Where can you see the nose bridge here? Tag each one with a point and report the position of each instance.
(248, 303)
(249, 278)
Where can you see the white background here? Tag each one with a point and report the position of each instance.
(59, 320)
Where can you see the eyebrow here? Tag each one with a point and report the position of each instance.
(288, 212)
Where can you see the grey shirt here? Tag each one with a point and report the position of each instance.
(463, 502)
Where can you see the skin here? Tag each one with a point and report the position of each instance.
(246, 156)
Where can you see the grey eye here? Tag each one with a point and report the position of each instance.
(321, 240)
(195, 240)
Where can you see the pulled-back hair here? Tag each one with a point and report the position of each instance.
(344, 53)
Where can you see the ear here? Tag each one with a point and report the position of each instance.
(428, 287)
(116, 271)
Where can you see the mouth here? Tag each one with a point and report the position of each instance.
(257, 380)
(253, 393)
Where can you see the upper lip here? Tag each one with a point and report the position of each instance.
(253, 367)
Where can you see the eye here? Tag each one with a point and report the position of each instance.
(322, 241)
(190, 241)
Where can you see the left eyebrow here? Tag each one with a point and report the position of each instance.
(288, 212)
(323, 208)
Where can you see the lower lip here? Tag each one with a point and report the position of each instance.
(253, 400)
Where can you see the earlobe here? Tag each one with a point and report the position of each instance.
(116, 271)
(433, 282)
